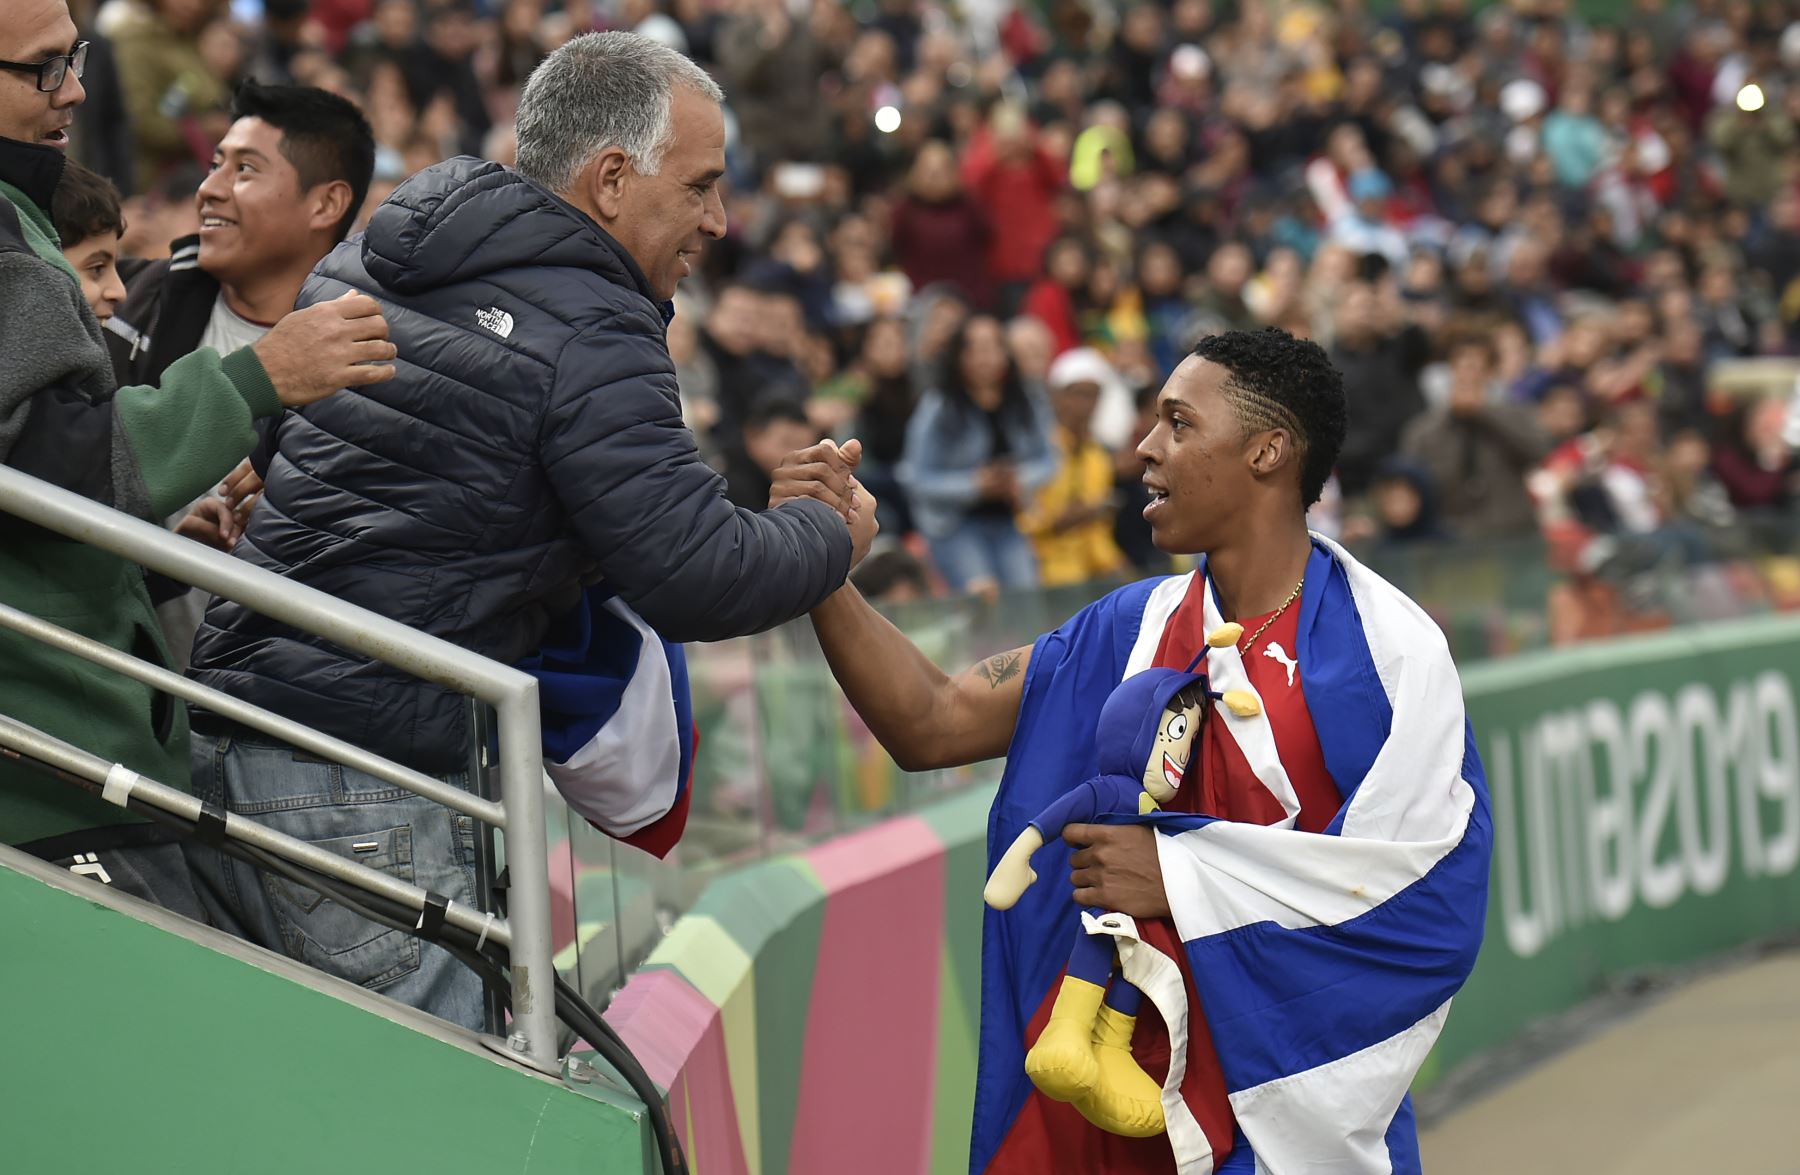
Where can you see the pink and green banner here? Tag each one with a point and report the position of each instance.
(818, 1009)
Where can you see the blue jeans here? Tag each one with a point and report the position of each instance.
(988, 548)
(355, 815)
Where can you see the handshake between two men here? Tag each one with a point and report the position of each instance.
(827, 471)
(926, 718)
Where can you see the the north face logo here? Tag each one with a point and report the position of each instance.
(495, 319)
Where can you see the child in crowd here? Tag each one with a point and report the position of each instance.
(89, 222)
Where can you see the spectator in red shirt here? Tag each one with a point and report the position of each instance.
(1058, 298)
(938, 233)
(1014, 179)
(1753, 462)
(337, 18)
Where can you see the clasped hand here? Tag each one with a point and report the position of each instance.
(1115, 867)
(218, 520)
(827, 472)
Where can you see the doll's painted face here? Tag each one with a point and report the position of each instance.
(1174, 744)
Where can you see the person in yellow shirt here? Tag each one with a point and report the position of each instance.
(1070, 522)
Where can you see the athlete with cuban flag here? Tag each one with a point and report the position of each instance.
(1302, 909)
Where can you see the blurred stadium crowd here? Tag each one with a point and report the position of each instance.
(1554, 248)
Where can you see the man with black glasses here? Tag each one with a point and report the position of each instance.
(50, 118)
(145, 450)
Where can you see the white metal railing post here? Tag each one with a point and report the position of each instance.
(512, 692)
(528, 855)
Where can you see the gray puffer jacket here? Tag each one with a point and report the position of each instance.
(531, 443)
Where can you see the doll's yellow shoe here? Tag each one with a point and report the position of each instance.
(1125, 1100)
(1061, 1063)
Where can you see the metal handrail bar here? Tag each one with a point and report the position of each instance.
(267, 721)
(32, 742)
(512, 693)
(420, 654)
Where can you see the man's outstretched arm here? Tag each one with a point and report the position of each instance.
(655, 516)
(924, 717)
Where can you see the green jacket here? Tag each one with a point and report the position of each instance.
(145, 450)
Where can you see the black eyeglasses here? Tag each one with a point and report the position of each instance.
(51, 72)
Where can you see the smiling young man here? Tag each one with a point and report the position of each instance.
(1289, 995)
(531, 446)
(285, 185)
(142, 449)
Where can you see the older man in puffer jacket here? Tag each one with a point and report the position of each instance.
(530, 444)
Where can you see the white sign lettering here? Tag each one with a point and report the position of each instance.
(1599, 808)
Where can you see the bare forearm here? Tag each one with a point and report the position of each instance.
(892, 685)
(923, 717)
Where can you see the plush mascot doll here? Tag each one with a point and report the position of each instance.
(1149, 733)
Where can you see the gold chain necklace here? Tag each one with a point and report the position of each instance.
(1292, 596)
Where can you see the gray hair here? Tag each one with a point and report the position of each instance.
(600, 91)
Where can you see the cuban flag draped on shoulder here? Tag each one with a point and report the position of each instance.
(618, 721)
(1324, 962)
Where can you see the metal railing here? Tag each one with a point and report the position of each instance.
(519, 815)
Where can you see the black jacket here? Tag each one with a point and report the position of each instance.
(531, 442)
(167, 306)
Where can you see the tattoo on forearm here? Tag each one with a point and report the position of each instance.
(999, 669)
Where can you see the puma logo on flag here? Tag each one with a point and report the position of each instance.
(1275, 652)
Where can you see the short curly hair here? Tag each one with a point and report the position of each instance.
(1279, 381)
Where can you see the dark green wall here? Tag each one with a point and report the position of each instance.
(129, 1048)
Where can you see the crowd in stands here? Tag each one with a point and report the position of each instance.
(979, 237)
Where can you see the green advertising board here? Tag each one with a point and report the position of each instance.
(1646, 814)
